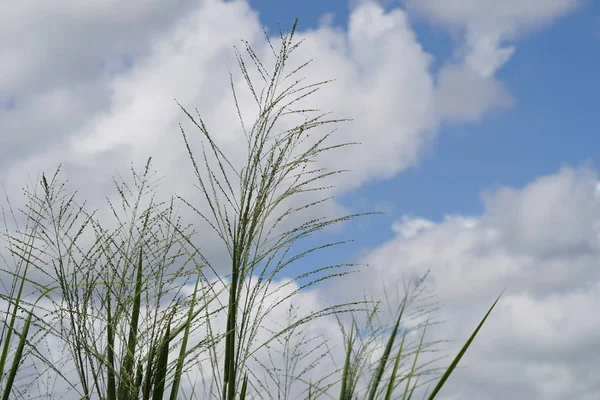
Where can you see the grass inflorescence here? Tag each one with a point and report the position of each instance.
(136, 311)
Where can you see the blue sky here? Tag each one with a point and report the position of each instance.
(479, 128)
(553, 78)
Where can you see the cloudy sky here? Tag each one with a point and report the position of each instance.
(478, 128)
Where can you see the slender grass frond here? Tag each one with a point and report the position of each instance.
(113, 302)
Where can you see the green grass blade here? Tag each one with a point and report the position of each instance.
(461, 353)
(390, 388)
(17, 358)
(12, 373)
(110, 352)
(138, 377)
(126, 374)
(412, 370)
(344, 395)
(13, 318)
(161, 367)
(244, 387)
(229, 372)
(386, 354)
(149, 373)
(182, 351)
(9, 331)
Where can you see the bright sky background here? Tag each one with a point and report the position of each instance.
(478, 120)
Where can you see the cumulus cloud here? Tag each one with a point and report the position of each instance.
(57, 60)
(511, 17)
(383, 83)
(488, 24)
(100, 123)
(540, 242)
(554, 215)
(462, 95)
(485, 32)
(92, 87)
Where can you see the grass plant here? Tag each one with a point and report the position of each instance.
(132, 311)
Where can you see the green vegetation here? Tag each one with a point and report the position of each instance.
(120, 312)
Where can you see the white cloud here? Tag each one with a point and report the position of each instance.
(488, 24)
(410, 227)
(555, 214)
(541, 243)
(462, 95)
(512, 17)
(57, 60)
(102, 123)
(467, 87)
(93, 88)
(383, 82)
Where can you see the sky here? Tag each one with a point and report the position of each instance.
(478, 128)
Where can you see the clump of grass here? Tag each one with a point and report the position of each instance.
(121, 307)
(117, 307)
(383, 376)
(15, 327)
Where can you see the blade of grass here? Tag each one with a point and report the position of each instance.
(244, 387)
(182, 351)
(461, 353)
(161, 367)
(386, 353)
(13, 318)
(412, 370)
(390, 388)
(110, 351)
(344, 391)
(126, 374)
(19, 352)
